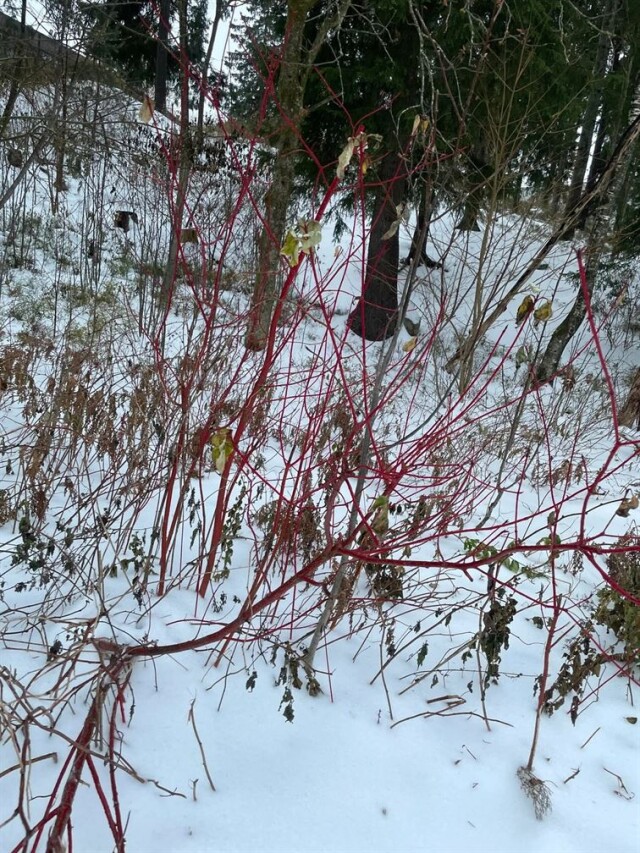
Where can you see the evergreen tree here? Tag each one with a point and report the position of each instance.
(609, 106)
(136, 37)
(503, 84)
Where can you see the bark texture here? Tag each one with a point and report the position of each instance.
(376, 313)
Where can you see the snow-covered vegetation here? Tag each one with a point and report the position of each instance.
(327, 594)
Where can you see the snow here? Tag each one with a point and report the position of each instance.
(394, 754)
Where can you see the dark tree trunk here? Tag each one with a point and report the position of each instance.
(14, 88)
(204, 83)
(547, 367)
(479, 171)
(295, 67)
(590, 115)
(420, 232)
(376, 313)
(162, 57)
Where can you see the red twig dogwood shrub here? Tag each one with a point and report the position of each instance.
(319, 488)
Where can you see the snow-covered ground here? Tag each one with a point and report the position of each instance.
(412, 744)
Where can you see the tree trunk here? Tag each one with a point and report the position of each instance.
(547, 366)
(162, 57)
(480, 168)
(590, 116)
(629, 414)
(204, 83)
(376, 313)
(14, 88)
(184, 168)
(295, 65)
(420, 232)
(622, 186)
(290, 94)
(266, 283)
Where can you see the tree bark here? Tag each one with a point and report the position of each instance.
(420, 232)
(375, 315)
(290, 94)
(547, 366)
(14, 88)
(593, 105)
(478, 172)
(184, 167)
(162, 57)
(629, 414)
(204, 83)
(295, 65)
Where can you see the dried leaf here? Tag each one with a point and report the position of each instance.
(391, 230)
(309, 235)
(380, 521)
(347, 153)
(146, 110)
(304, 239)
(523, 355)
(410, 345)
(420, 125)
(562, 473)
(568, 374)
(626, 505)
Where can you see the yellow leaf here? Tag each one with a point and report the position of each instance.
(146, 110)
(543, 312)
(221, 448)
(524, 309)
(409, 345)
(380, 521)
(291, 248)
